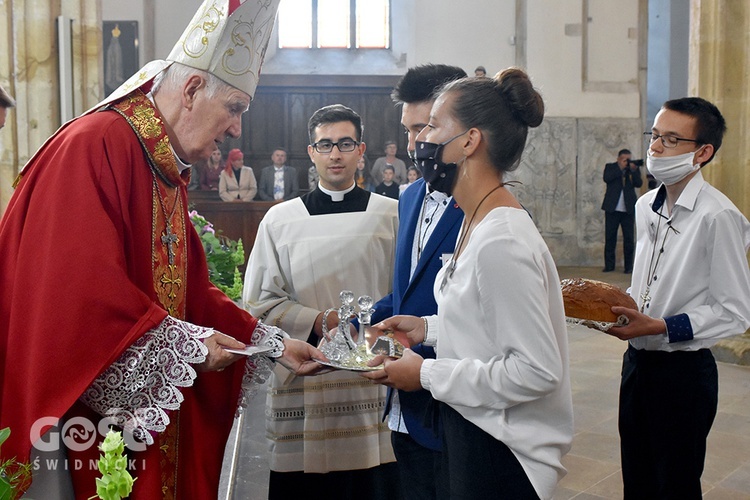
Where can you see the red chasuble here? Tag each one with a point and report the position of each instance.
(95, 247)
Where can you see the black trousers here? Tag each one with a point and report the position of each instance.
(613, 221)
(378, 483)
(668, 402)
(478, 465)
(420, 469)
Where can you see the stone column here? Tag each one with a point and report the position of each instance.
(719, 71)
(29, 71)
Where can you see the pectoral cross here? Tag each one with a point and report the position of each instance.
(169, 239)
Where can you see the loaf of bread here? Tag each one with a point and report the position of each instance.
(592, 300)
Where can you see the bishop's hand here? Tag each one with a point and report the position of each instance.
(218, 358)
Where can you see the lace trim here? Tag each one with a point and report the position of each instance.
(258, 369)
(138, 388)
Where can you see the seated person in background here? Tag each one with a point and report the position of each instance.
(211, 171)
(362, 175)
(399, 167)
(412, 175)
(237, 182)
(278, 181)
(388, 187)
(480, 71)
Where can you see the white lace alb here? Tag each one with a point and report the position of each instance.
(137, 390)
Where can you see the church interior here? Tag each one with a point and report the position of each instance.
(603, 68)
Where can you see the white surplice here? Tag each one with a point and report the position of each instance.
(298, 266)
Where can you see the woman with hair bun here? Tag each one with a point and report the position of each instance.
(501, 374)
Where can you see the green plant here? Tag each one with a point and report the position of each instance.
(116, 482)
(15, 477)
(223, 257)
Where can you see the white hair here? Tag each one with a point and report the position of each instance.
(177, 74)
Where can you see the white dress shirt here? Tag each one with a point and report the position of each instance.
(703, 272)
(502, 344)
(433, 207)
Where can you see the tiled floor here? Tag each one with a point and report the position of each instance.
(593, 462)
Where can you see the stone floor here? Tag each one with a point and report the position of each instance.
(593, 463)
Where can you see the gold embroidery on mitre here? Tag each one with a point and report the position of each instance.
(196, 41)
(148, 124)
(250, 44)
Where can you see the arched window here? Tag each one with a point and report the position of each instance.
(340, 24)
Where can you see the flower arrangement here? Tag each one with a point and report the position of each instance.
(15, 477)
(223, 256)
(116, 482)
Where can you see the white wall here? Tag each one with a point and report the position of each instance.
(466, 34)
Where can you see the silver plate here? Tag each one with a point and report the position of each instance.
(358, 368)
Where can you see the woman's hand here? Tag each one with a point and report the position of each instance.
(409, 330)
(402, 373)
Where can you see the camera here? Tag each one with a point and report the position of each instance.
(637, 163)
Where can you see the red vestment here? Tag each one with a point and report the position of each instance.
(77, 289)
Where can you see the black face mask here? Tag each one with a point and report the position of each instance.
(440, 176)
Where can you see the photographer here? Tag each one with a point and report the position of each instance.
(621, 177)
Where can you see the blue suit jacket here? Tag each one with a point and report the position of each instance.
(416, 297)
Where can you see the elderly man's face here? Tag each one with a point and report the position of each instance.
(210, 121)
(3, 113)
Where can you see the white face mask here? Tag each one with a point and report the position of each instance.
(671, 169)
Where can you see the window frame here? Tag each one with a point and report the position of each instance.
(352, 30)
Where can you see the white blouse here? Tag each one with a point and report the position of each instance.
(501, 342)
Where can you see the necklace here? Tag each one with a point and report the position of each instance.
(653, 263)
(464, 232)
(168, 237)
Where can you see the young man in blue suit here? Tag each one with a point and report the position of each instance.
(429, 222)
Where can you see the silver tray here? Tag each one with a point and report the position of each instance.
(351, 368)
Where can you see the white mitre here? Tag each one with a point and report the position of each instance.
(227, 38)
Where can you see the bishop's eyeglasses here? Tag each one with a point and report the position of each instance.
(345, 146)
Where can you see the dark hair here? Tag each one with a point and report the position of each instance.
(480, 68)
(421, 83)
(388, 143)
(280, 149)
(503, 108)
(709, 123)
(389, 167)
(334, 113)
(623, 152)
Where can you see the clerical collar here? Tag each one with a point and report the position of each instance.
(337, 195)
(181, 165)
